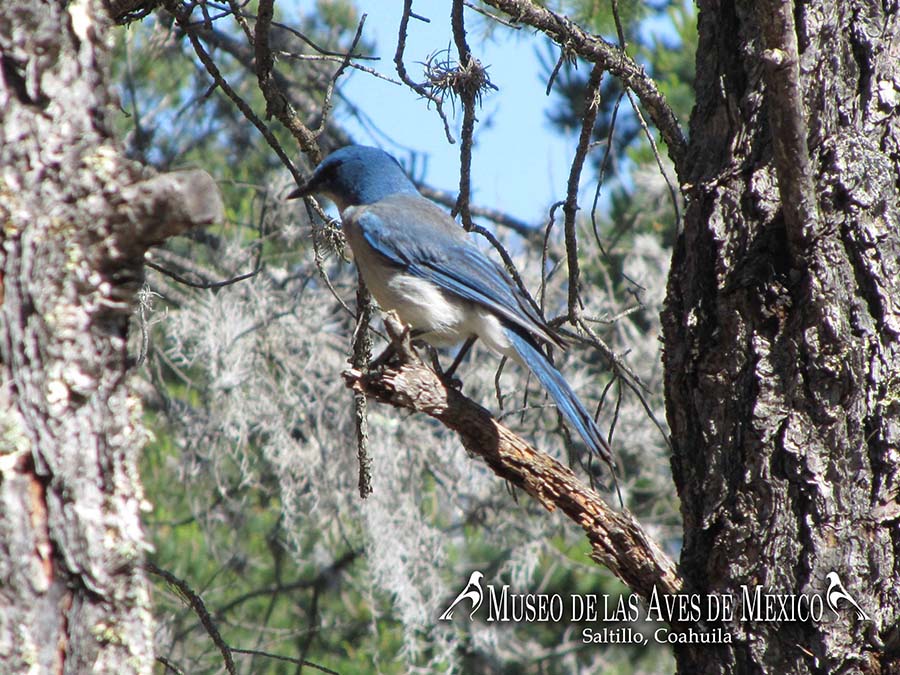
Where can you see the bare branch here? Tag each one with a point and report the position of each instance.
(172, 203)
(182, 16)
(404, 75)
(276, 102)
(362, 354)
(570, 208)
(617, 539)
(595, 49)
(467, 95)
(199, 608)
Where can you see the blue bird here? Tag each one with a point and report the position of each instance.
(416, 260)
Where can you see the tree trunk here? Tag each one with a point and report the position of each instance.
(781, 331)
(76, 221)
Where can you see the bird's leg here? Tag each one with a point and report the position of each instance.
(447, 375)
(460, 355)
(435, 360)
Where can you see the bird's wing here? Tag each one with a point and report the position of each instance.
(415, 235)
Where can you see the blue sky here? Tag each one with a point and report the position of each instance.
(519, 166)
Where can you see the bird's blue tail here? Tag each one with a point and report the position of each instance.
(566, 400)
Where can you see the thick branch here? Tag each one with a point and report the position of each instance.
(172, 203)
(617, 539)
(789, 131)
(573, 38)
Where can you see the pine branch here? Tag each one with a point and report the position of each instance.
(617, 540)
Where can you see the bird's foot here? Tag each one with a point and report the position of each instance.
(384, 357)
(400, 345)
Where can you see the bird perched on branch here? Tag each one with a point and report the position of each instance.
(416, 260)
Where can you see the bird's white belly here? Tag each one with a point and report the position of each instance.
(423, 306)
(445, 319)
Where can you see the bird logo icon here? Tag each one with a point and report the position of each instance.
(472, 592)
(836, 592)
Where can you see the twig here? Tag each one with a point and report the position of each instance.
(288, 659)
(497, 217)
(603, 166)
(570, 208)
(319, 259)
(620, 32)
(329, 91)
(673, 194)
(197, 605)
(323, 576)
(545, 249)
(338, 59)
(597, 50)
(173, 258)
(169, 665)
(507, 261)
(202, 284)
(183, 18)
(627, 375)
(293, 31)
(404, 75)
(209, 625)
(492, 17)
(362, 354)
(467, 95)
(322, 50)
(564, 58)
(276, 102)
(300, 97)
(241, 19)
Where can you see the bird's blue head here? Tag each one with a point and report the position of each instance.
(356, 175)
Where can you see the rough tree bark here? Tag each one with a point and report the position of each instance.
(782, 326)
(76, 219)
